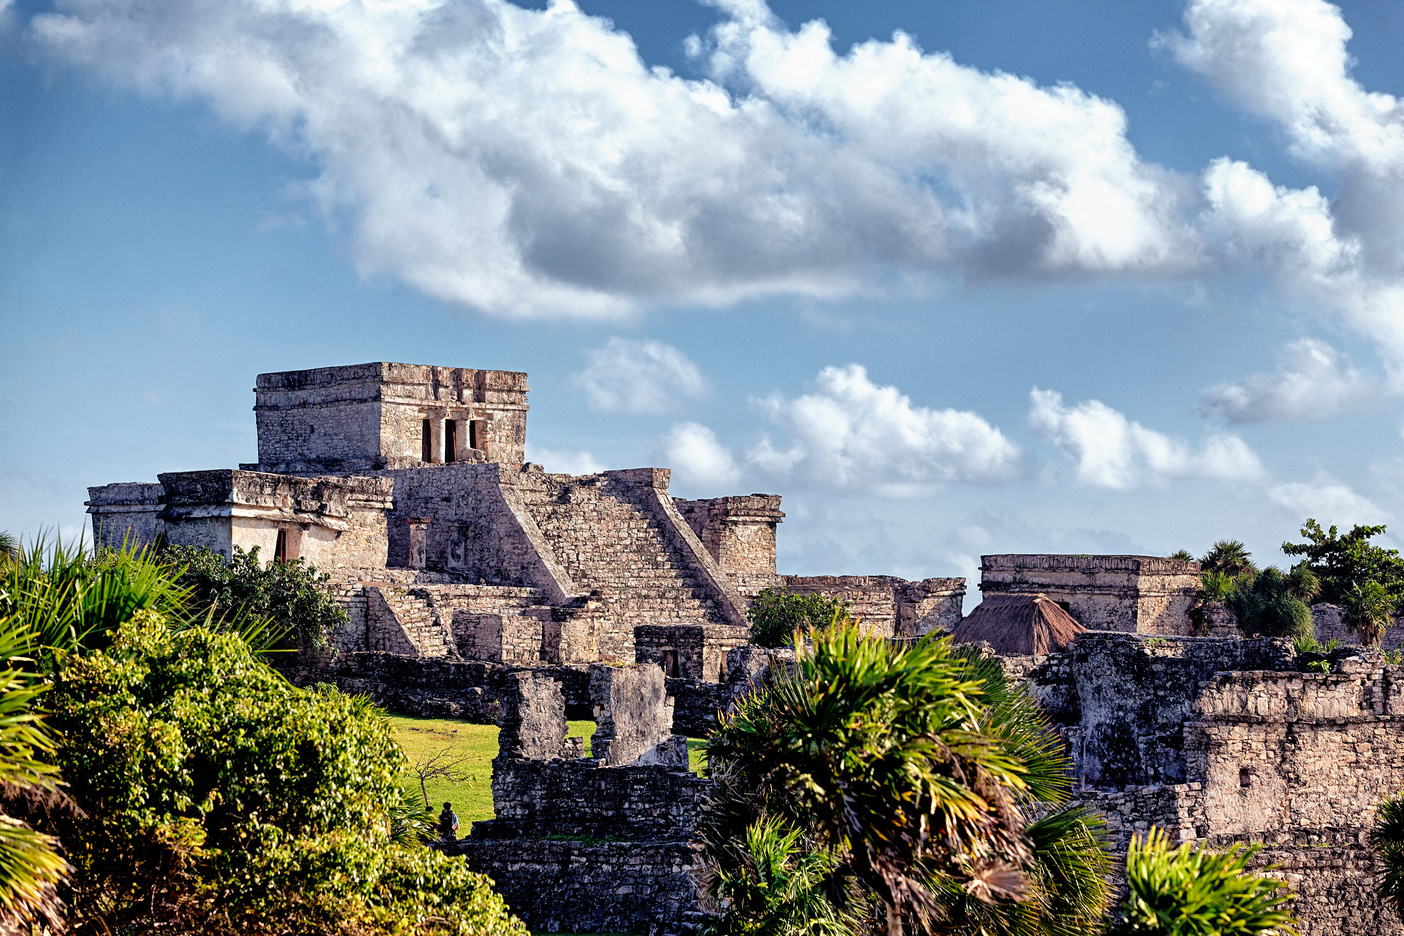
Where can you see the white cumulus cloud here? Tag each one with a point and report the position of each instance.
(856, 434)
(529, 162)
(1286, 60)
(1326, 500)
(1315, 381)
(1114, 452)
(698, 460)
(852, 434)
(631, 376)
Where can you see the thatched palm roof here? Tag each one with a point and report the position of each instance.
(1023, 625)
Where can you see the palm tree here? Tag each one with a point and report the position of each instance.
(1368, 610)
(30, 866)
(1186, 891)
(1230, 557)
(1387, 840)
(913, 769)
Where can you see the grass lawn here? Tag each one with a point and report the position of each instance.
(467, 750)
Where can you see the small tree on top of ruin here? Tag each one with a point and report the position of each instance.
(1229, 557)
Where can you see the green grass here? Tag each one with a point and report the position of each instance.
(470, 749)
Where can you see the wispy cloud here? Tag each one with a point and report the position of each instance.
(1314, 381)
(639, 377)
(1326, 500)
(1111, 451)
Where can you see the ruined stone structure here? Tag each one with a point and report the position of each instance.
(597, 844)
(1134, 594)
(407, 484)
(1222, 740)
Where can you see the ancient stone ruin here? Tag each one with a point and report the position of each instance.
(479, 586)
(407, 483)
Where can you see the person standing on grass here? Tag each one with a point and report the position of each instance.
(448, 824)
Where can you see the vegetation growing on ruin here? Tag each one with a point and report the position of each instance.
(1267, 602)
(777, 615)
(1189, 891)
(873, 785)
(292, 596)
(1350, 560)
(203, 792)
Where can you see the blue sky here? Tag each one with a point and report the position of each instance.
(952, 278)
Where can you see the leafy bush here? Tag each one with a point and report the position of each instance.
(30, 866)
(1216, 586)
(221, 797)
(1345, 561)
(1184, 555)
(776, 614)
(1274, 604)
(292, 596)
(1186, 891)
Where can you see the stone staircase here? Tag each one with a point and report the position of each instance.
(613, 549)
(422, 628)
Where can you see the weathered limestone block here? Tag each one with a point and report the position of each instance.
(633, 713)
(533, 720)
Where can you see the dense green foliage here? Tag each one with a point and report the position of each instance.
(225, 797)
(1186, 891)
(30, 865)
(896, 782)
(1274, 604)
(204, 793)
(1184, 555)
(1342, 562)
(1267, 603)
(292, 596)
(776, 615)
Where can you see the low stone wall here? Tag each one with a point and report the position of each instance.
(579, 798)
(567, 886)
(889, 606)
(1122, 700)
(442, 688)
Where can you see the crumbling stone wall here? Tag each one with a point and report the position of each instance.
(331, 522)
(444, 688)
(1220, 740)
(693, 652)
(889, 606)
(739, 533)
(1135, 594)
(592, 844)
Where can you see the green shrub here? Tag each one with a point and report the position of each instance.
(894, 783)
(1229, 557)
(1189, 891)
(292, 596)
(1368, 609)
(776, 614)
(1274, 605)
(219, 796)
